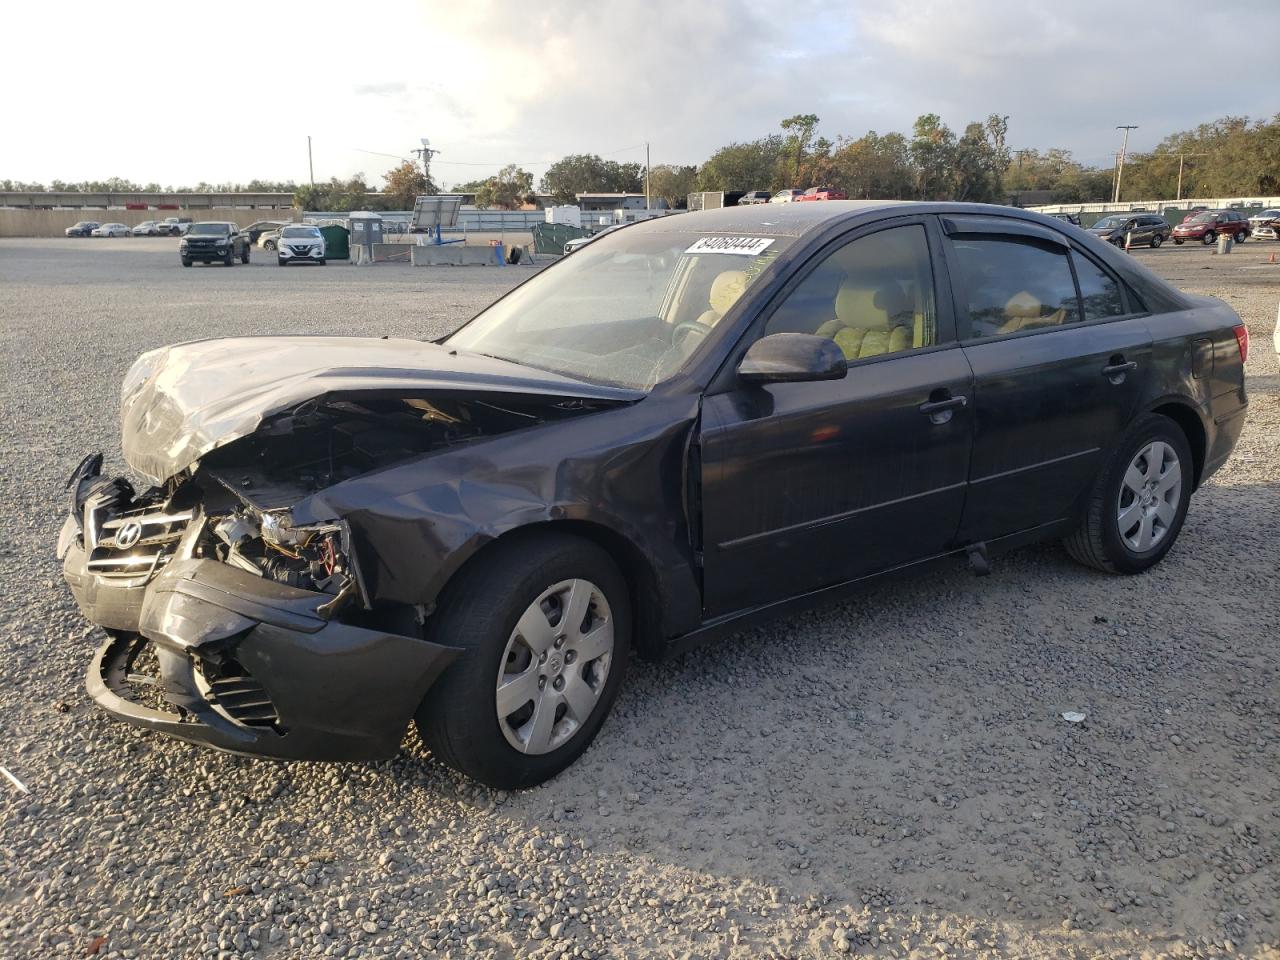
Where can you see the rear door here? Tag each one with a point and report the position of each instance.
(1059, 355)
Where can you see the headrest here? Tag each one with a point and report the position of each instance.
(726, 289)
(1023, 306)
(893, 300)
(856, 305)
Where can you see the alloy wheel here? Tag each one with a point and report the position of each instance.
(1149, 496)
(553, 670)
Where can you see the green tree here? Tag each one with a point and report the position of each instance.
(743, 166)
(981, 157)
(404, 184)
(508, 189)
(800, 129)
(874, 167)
(338, 196)
(933, 154)
(588, 173)
(672, 184)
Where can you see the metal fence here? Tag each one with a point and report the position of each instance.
(1172, 210)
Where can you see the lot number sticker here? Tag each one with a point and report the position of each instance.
(743, 246)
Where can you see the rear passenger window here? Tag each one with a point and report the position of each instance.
(1012, 285)
(1099, 291)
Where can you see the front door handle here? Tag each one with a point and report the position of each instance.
(939, 411)
(1117, 368)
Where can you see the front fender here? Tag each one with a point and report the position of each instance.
(416, 524)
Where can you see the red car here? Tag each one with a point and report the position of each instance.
(822, 193)
(1208, 226)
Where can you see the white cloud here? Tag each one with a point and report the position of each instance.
(94, 90)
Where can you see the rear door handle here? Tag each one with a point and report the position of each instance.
(939, 411)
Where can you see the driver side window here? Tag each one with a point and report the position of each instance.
(872, 296)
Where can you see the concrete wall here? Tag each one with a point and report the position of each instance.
(52, 223)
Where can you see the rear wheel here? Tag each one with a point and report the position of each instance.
(1210, 238)
(546, 627)
(1139, 500)
(1242, 236)
(1177, 241)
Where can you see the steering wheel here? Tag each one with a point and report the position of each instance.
(688, 328)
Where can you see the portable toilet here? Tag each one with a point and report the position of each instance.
(366, 229)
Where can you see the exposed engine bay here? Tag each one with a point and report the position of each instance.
(234, 504)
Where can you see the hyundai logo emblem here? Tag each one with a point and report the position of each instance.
(129, 533)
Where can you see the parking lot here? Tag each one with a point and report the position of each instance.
(888, 777)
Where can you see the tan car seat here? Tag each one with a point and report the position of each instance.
(1025, 312)
(727, 287)
(870, 321)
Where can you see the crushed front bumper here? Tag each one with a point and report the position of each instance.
(215, 655)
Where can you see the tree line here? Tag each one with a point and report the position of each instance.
(1232, 156)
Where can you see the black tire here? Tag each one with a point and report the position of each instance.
(1177, 241)
(1242, 236)
(1156, 241)
(322, 261)
(1210, 238)
(281, 261)
(479, 610)
(1098, 541)
(186, 261)
(244, 257)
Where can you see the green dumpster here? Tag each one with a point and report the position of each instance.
(337, 241)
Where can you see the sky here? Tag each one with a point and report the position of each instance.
(177, 94)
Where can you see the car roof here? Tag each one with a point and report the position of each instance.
(777, 220)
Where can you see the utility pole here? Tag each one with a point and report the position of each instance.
(1124, 148)
(310, 166)
(647, 204)
(426, 153)
(1181, 157)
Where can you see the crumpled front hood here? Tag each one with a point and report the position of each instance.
(178, 403)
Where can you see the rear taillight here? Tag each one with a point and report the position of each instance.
(1242, 340)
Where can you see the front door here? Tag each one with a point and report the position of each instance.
(810, 484)
(1059, 355)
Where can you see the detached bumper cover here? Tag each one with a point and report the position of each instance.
(248, 665)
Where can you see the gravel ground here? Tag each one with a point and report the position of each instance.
(889, 777)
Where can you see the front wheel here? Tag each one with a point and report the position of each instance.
(1139, 500)
(322, 261)
(186, 261)
(1210, 238)
(1156, 241)
(281, 261)
(244, 257)
(545, 624)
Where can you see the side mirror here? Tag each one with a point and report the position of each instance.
(792, 358)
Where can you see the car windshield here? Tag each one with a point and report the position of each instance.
(1110, 223)
(1203, 218)
(627, 309)
(209, 230)
(300, 232)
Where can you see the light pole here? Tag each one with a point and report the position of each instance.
(426, 153)
(1123, 150)
(310, 166)
(1181, 157)
(647, 204)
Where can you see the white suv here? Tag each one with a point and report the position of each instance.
(299, 242)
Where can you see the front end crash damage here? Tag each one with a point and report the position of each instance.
(233, 627)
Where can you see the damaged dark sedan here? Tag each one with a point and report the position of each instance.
(691, 424)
